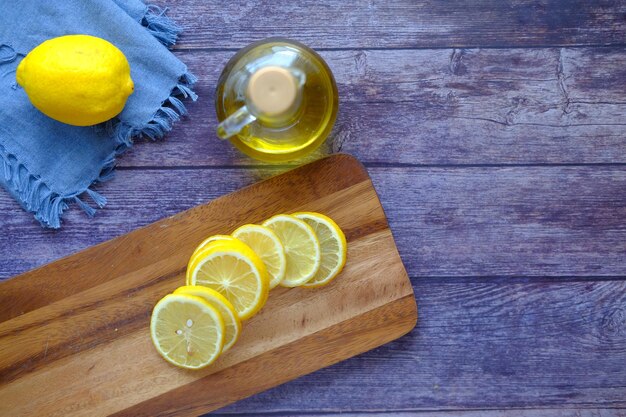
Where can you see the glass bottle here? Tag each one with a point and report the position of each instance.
(276, 100)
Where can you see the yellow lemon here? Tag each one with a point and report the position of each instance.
(80, 80)
(232, 269)
(203, 245)
(187, 331)
(333, 245)
(302, 248)
(232, 324)
(266, 244)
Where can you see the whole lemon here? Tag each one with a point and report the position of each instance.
(80, 80)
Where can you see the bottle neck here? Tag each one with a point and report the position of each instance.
(274, 94)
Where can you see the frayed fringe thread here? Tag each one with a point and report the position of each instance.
(171, 110)
(8, 55)
(37, 197)
(160, 26)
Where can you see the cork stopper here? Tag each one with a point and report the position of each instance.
(272, 90)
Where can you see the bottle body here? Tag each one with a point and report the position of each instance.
(295, 133)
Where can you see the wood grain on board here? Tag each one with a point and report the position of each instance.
(82, 323)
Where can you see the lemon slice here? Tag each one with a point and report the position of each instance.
(266, 244)
(204, 243)
(231, 319)
(302, 249)
(333, 246)
(235, 271)
(187, 331)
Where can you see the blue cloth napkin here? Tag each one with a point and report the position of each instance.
(47, 165)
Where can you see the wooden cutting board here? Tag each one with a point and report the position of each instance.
(74, 336)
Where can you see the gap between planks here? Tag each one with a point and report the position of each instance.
(470, 412)
(186, 49)
(372, 165)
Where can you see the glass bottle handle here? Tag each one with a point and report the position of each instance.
(234, 123)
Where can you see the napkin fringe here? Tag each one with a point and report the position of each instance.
(160, 26)
(171, 110)
(36, 196)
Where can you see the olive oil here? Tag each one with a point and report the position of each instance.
(276, 100)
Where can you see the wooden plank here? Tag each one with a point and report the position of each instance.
(497, 106)
(481, 344)
(82, 323)
(447, 221)
(403, 23)
(523, 221)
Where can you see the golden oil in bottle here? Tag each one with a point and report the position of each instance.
(276, 100)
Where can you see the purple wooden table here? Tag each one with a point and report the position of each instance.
(495, 133)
